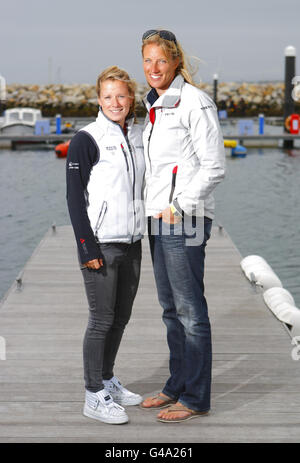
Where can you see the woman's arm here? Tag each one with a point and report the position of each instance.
(208, 144)
(82, 155)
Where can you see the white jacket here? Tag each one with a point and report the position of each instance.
(105, 172)
(184, 132)
(115, 206)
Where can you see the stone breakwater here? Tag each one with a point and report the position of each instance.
(65, 99)
(240, 99)
(249, 99)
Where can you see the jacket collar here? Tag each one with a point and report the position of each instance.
(169, 99)
(110, 126)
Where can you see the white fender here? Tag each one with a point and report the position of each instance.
(282, 304)
(263, 274)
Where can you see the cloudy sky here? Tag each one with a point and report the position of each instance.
(69, 41)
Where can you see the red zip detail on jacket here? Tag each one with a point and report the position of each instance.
(125, 156)
(152, 115)
(152, 120)
(174, 173)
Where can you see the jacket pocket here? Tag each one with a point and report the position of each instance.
(101, 217)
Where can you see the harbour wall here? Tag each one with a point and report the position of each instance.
(238, 98)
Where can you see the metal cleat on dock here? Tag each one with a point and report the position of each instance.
(19, 280)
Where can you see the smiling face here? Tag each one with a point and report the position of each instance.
(115, 100)
(158, 68)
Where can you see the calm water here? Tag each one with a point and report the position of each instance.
(32, 185)
(258, 204)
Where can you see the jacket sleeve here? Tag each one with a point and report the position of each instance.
(82, 155)
(208, 145)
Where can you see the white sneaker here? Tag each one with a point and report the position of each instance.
(120, 394)
(100, 406)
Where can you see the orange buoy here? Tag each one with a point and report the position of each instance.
(61, 150)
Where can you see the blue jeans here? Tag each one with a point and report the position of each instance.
(179, 272)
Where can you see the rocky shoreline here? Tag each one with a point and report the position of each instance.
(239, 99)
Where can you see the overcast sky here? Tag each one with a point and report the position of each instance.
(68, 41)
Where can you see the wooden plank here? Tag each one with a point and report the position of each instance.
(255, 389)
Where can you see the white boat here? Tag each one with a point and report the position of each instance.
(20, 121)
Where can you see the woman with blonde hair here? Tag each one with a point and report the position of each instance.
(105, 168)
(184, 155)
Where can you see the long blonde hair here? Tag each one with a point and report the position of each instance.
(115, 73)
(172, 50)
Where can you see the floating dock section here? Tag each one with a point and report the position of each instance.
(256, 383)
(52, 139)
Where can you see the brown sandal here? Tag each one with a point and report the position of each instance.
(181, 408)
(165, 402)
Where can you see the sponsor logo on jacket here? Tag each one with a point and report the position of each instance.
(73, 165)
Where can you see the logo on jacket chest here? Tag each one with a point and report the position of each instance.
(110, 148)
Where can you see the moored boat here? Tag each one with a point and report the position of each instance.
(20, 121)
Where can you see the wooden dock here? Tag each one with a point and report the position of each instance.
(256, 384)
(12, 141)
(263, 141)
(33, 141)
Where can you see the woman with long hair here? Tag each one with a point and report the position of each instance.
(184, 155)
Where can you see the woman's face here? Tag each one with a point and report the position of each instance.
(158, 68)
(115, 100)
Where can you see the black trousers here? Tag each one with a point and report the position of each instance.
(110, 292)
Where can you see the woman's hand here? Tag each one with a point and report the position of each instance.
(94, 264)
(168, 216)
